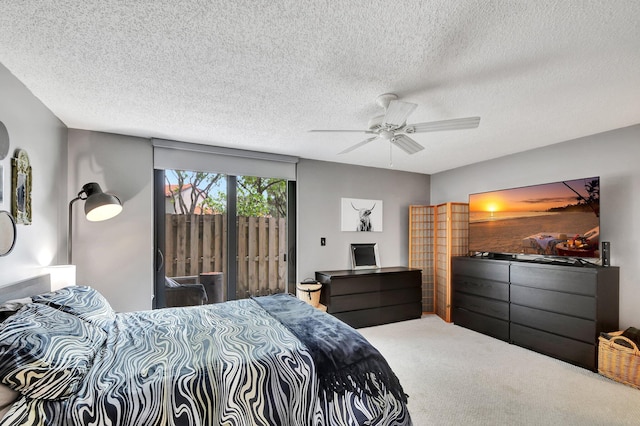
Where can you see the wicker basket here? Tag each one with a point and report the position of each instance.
(618, 362)
(310, 292)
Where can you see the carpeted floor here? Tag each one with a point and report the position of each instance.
(455, 376)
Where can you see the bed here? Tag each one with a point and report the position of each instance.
(69, 359)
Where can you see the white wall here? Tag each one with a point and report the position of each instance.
(34, 128)
(614, 156)
(114, 256)
(321, 185)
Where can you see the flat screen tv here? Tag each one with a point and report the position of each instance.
(365, 256)
(559, 219)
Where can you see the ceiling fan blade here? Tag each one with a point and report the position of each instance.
(397, 113)
(358, 145)
(436, 126)
(342, 131)
(406, 144)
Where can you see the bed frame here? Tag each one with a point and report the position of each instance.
(26, 288)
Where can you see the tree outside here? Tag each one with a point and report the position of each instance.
(201, 193)
(189, 190)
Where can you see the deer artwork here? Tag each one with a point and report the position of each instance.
(364, 224)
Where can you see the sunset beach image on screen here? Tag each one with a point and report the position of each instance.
(551, 219)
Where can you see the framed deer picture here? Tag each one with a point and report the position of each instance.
(360, 215)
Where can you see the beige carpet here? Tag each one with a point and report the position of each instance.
(455, 376)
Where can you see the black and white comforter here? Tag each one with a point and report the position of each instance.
(75, 362)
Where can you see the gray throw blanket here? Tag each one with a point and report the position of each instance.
(344, 359)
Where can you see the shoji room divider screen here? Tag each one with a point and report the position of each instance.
(436, 234)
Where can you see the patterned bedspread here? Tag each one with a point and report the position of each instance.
(223, 364)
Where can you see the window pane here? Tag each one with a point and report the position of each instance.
(196, 226)
(261, 236)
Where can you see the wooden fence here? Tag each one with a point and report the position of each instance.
(197, 243)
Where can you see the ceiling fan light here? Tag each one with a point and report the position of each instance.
(386, 134)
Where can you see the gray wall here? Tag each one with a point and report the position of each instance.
(34, 128)
(611, 155)
(321, 185)
(114, 256)
(117, 256)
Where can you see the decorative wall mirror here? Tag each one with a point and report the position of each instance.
(7, 233)
(21, 187)
(4, 141)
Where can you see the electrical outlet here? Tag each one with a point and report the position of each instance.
(323, 241)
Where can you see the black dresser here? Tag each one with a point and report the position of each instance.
(557, 310)
(367, 297)
(481, 296)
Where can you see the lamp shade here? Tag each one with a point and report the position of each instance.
(100, 206)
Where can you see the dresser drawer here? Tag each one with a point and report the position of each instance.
(350, 302)
(559, 278)
(554, 301)
(481, 287)
(375, 282)
(482, 305)
(481, 268)
(563, 348)
(380, 315)
(572, 327)
(482, 324)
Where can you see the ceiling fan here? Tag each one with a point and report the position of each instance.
(392, 125)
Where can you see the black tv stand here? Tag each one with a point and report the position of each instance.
(558, 309)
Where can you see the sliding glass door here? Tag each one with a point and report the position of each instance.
(261, 229)
(196, 230)
(226, 232)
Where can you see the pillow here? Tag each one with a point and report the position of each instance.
(81, 301)
(45, 353)
(10, 307)
(15, 304)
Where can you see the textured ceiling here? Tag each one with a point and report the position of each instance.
(258, 75)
